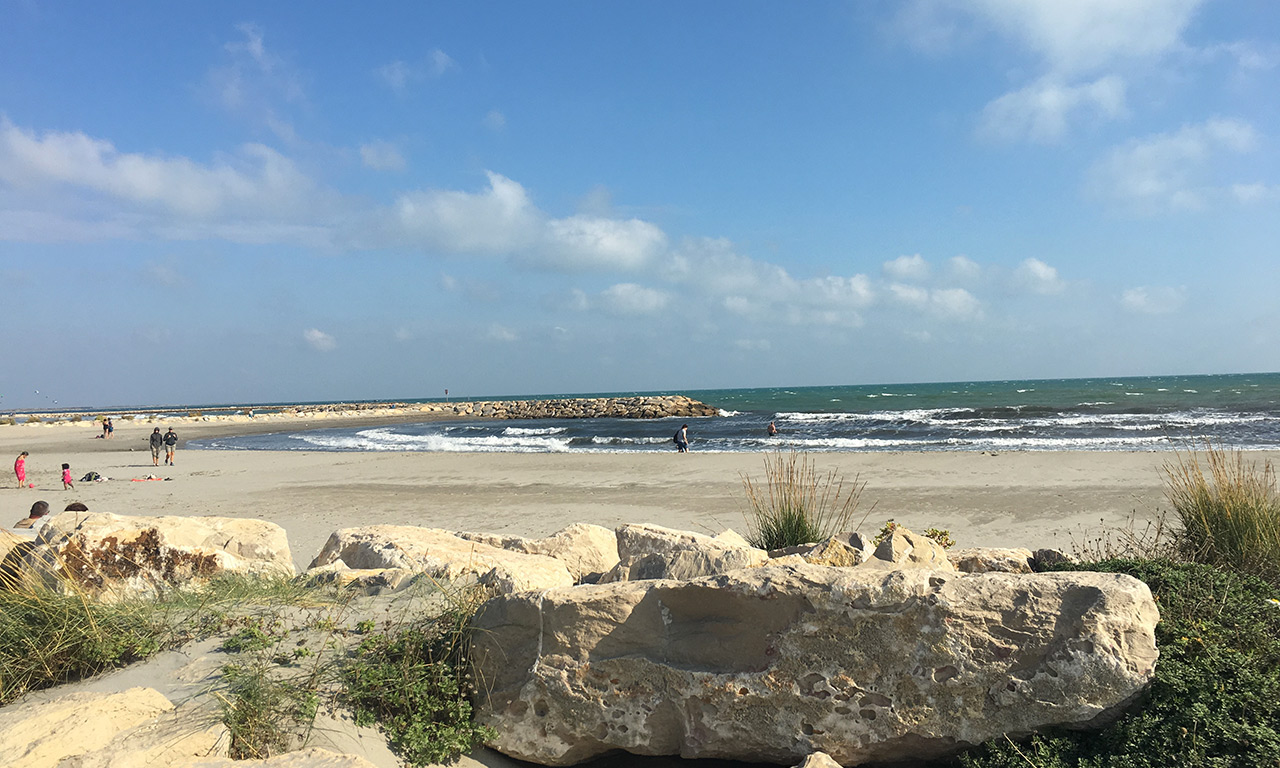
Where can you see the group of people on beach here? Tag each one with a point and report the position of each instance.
(20, 469)
(168, 442)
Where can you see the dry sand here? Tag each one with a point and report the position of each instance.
(1032, 499)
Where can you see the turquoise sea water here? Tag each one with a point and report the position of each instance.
(1141, 413)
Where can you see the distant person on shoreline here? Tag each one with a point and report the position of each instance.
(170, 444)
(157, 440)
(682, 439)
(111, 428)
(773, 429)
(20, 468)
(67, 485)
(104, 428)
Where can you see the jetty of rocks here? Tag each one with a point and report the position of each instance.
(652, 407)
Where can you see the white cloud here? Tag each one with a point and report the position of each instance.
(952, 303)
(499, 220)
(319, 340)
(907, 268)
(587, 242)
(495, 120)
(1036, 276)
(1087, 35)
(227, 197)
(382, 156)
(1153, 300)
(1041, 111)
(1252, 193)
(753, 345)
(399, 75)
(1171, 171)
(256, 82)
(633, 299)
(964, 268)
(501, 333)
(403, 334)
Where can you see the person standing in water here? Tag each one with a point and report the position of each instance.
(773, 429)
(682, 439)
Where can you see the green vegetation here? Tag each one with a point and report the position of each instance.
(48, 638)
(796, 505)
(414, 681)
(941, 535)
(1229, 509)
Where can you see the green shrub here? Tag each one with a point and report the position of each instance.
(416, 682)
(796, 505)
(1230, 515)
(264, 714)
(941, 535)
(48, 638)
(1215, 697)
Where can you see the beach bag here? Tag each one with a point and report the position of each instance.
(90, 477)
(676, 437)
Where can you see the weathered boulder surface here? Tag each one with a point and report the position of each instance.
(587, 550)
(44, 733)
(991, 560)
(774, 663)
(653, 552)
(907, 549)
(115, 555)
(441, 555)
(843, 550)
(169, 740)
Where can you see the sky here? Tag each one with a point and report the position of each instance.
(255, 202)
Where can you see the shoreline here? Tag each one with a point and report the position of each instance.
(1013, 499)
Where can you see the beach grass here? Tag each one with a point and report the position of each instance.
(1229, 509)
(795, 504)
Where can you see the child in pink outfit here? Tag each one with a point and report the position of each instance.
(20, 468)
(66, 478)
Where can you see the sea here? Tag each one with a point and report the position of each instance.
(1151, 413)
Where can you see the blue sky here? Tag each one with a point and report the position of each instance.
(240, 202)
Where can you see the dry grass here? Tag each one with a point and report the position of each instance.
(796, 504)
(1229, 508)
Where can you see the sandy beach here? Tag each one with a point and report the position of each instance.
(1032, 499)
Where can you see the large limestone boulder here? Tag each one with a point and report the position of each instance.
(171, 739)
(775, 663)
(441, 555)
(43, 733)
(844, 550)
(588, 551)
(654, 552)
(991, 560)
(114, 555)
(907, 549)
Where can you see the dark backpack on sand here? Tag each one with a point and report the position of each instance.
(90, 477)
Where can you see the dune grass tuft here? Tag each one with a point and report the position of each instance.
(797, 505)
(1229, 508)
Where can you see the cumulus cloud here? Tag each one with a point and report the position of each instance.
(319, 340)
(1171, 171)
(498, 220)
(1042, 111)
(633, 299)
(964, 268)
(1036, 276)
(1153, 300)
(907, 268)
(258, 194)
(951, 303)
(382, 156)
(588, 242)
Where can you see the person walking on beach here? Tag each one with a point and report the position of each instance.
(170, 444)
(682, 439)
(157, 440)
(67, 485)
(20, 468)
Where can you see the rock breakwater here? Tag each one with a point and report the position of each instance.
(654, 407)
